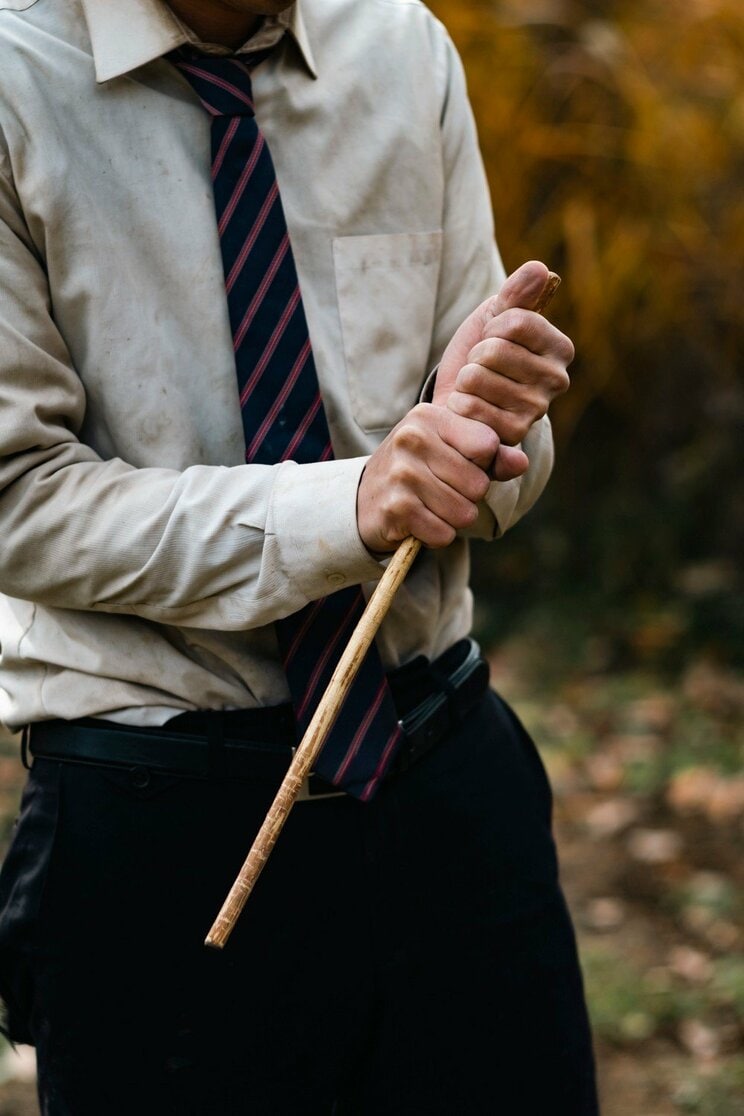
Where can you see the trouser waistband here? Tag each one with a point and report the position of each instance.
(431, 697)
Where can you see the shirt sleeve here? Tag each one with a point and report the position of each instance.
(211, 546)
(471, 271)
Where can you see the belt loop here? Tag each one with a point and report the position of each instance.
(215, 743)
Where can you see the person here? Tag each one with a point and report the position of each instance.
(254, 331)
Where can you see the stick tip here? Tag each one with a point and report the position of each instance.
(552, 283)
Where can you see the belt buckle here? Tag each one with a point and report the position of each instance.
(306, 795)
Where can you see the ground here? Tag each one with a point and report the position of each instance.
(649, 810)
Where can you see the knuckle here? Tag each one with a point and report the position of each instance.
(488, 441)
(556, 381)
(466, 406)
(516, 324)
(514, 429)
(489, 309)
(409, 471)
(468, 515)
(458, 403)
(468, 379)
(408, 437)
(398, 502)
(426, 417)
(403, 477)
(480, 485)
(497, 350)
(563, 382)
(433, 532)
(537, 405)
(568, 349)
(457, 514)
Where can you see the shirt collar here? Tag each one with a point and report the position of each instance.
(130, 33)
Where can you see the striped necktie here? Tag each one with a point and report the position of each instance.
(283, 414)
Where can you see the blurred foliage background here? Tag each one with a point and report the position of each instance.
(613, 136)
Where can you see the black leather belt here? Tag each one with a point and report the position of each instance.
(257, 744)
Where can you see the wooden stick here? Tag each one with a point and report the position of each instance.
(324, 718)
(314, 739)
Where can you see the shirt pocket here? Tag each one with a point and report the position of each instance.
(387, 291)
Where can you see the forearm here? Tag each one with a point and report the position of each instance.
(209, 547)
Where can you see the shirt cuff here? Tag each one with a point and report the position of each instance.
(427, 391)
(314, 522)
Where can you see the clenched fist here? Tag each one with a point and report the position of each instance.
(425, 479)
(499, 374)
(505, 366)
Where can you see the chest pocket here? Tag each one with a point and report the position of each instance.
(387, 291)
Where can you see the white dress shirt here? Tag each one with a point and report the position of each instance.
(142, 563)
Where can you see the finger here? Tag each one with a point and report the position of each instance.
(511, 462)
(511, 375)
(434, 469)
(447, 503)
(432, 531)
(428, 528)
(527, 330)
(415, 500)
(464, 477)
(512, 425)
(429, 428)
(473, 440)
(416, 487)
(523, 288)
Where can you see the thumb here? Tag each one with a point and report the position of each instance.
(522, 289)
(510, 462)
(529, 288)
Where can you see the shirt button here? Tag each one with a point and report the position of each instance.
(139, 777)
(335, 579)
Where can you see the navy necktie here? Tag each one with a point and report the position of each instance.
(282, 410)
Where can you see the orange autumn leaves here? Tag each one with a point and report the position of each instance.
(612, 135)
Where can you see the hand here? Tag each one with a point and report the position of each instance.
(505, 365)
(425, 479)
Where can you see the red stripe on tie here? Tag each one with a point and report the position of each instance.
(226, 141)
(227, 86)
(241, 184)
(360, 733)
(300, 635)
(327, 453)
(371, 786)
(270, 349)
(260, 294)
(322, 663)
(302, 429)
(258, 224)
(279, 402)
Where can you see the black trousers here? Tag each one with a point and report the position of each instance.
(413, 955)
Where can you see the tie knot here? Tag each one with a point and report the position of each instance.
(222, 83)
